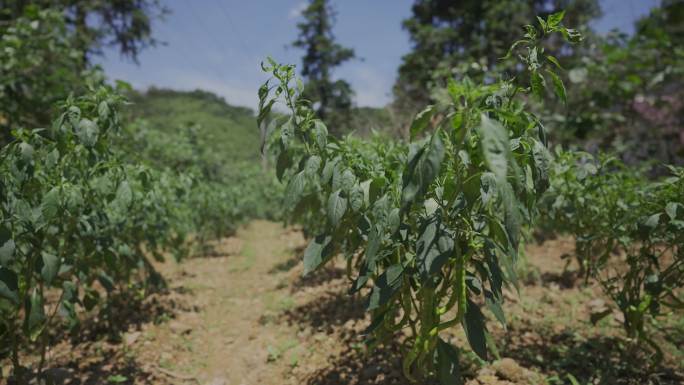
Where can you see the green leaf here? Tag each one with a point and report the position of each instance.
(571, 35)
(555, 19)
(421, 121)
(9, 285)
(356, 198)
(671, 209)
(26, 152)
(106, 281)
(295, 190)
(387, 284)
(117, 379)
(103, 110)
(313, 164)
(287, 132)
(553, 60)
(328, 170)
(422, 168)
(495, 146)
(87, 132)
(50, 204)
(558, 86)
(512, 216)
(36, 317)
(373, 246)
(317, 252)
(475, 329)
(494, 305)
(347, 180)
(433, 248)
(337, 206)
(320, 133)
(282, 164)
(538, 85)
(7, 246)
(449, 372)
(652, 221)
(124, 195)
(544, 24)
(50, 267)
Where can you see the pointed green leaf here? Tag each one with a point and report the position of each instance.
(474, 325)
(387, 284)
(317, 252)
(337, 206)
(36, 316)
(9, 285)
(50, 267)
(495, 146)
(558, 86)
(449, 372)
(421, 121)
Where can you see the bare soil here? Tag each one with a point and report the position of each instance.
(245, 315)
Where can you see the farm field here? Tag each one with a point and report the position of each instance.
(326, 192)
(244, 314)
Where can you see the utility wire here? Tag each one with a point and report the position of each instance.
(245, 48)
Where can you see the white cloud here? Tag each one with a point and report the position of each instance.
(372, 89)
(297, 10)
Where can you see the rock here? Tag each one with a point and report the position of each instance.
(508, 369)
(597, 303)
(131, 338)
(179, 328)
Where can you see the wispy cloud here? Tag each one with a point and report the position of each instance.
(297, 10)
(372, 88)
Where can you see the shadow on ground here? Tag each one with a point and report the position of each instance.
(319, 277)
(356, 367)
(327, 312)
(593, 360)
(95, 353)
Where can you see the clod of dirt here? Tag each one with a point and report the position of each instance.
(509, 369)
(179, 327)
(131, 338)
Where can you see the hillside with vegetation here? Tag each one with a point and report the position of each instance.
(227, 132)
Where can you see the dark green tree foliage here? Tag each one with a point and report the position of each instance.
(126, 24)
(45, 45)
(333, 98)
(470, 36)
(40, 65)
(630, 93)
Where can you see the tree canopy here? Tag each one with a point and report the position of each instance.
(332, 97)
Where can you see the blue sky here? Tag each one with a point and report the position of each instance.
(217, 45)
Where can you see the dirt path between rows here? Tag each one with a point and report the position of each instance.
(229, 339)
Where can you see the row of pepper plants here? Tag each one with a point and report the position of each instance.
(80, 224)
(430, 229)
(629, 232)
